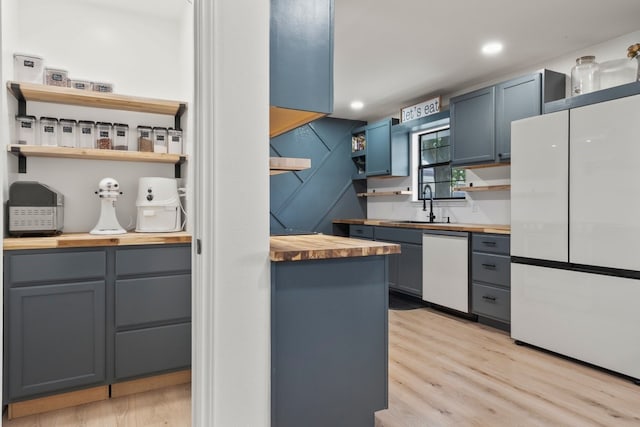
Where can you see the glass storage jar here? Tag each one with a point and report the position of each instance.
(120, 136)
(26, 130)
(67, 133)
(104, 140)
(145, 141)
(56, 77)
(48, 131)
(28, 68)
(80, 84)
(86, 131)
(159, 140)
(175, 141)
(585, 76)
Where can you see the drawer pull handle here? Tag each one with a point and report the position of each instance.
(489, 243)
(489, 266)
(489, 298)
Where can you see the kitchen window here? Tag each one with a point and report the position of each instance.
(434, 166)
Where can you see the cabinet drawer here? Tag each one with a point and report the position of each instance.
(404, 235)
(491, 302)
(56, 266)
(491, 243)
(151, 350)
(153, 299)
(491, 268)
(157, 259)
(362, 231)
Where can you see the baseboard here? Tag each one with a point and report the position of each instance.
(140, 385)
(57, 401)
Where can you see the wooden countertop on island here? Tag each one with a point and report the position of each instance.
(83, 240)
(474, 228)
(321, 246)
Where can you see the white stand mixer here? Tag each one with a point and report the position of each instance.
(108, 191)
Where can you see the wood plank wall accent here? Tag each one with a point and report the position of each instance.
(308, 200)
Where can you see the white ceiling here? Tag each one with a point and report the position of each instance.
(390, 54)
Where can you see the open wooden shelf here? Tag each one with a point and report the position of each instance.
(84, 98)
(24, 151)
(506, 187)
(94, 154)
(485, 165)
(385, 193)
(278, 165)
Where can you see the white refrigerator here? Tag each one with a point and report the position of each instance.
(575, 233)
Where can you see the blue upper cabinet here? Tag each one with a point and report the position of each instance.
(301, 62)
(473, 126)
(383, 154)
(481, 120)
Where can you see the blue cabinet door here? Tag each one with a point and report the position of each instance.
(56, 337)
(301, 54)
(473, 127)
(516, 99)
(379, 148)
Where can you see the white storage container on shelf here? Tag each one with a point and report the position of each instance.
(86, 134)
(28, 68)
(56, 77)
(26, 130)
(104, 134)
(68, 133)
(102, 87)
(120, 136)
(80, 84)
(175, 141)
(159, 140)
(48, 131)
(145, 141)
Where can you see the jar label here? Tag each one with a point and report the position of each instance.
(104, 134)
(175, 138)
(67, 129)
(25, 125)
(86, 131)
(101, 88)
(79, 85)
(144, 134)
(120, 133)
(159, 137)
(56, 77)
(48, 129)
(28, 63)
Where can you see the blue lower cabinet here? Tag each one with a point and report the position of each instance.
(56, 337)
(328, 342)
(70, 324)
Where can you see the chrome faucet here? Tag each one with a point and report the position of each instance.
(432, 217)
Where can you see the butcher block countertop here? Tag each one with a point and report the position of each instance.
(83, 240)
(321, 246)
(475, 228)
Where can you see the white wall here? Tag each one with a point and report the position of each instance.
(484, 207)
(144, 48)
(231, 301)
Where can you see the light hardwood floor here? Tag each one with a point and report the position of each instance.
(167, 407)
(443, 371)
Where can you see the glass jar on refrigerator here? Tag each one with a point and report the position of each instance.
(585, 76)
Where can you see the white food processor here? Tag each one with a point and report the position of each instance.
(158, 203)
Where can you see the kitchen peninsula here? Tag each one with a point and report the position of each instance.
(329, 300)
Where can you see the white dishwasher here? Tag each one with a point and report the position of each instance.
(445, 269)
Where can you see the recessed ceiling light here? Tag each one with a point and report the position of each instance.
(357, 105)
(492, 48)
